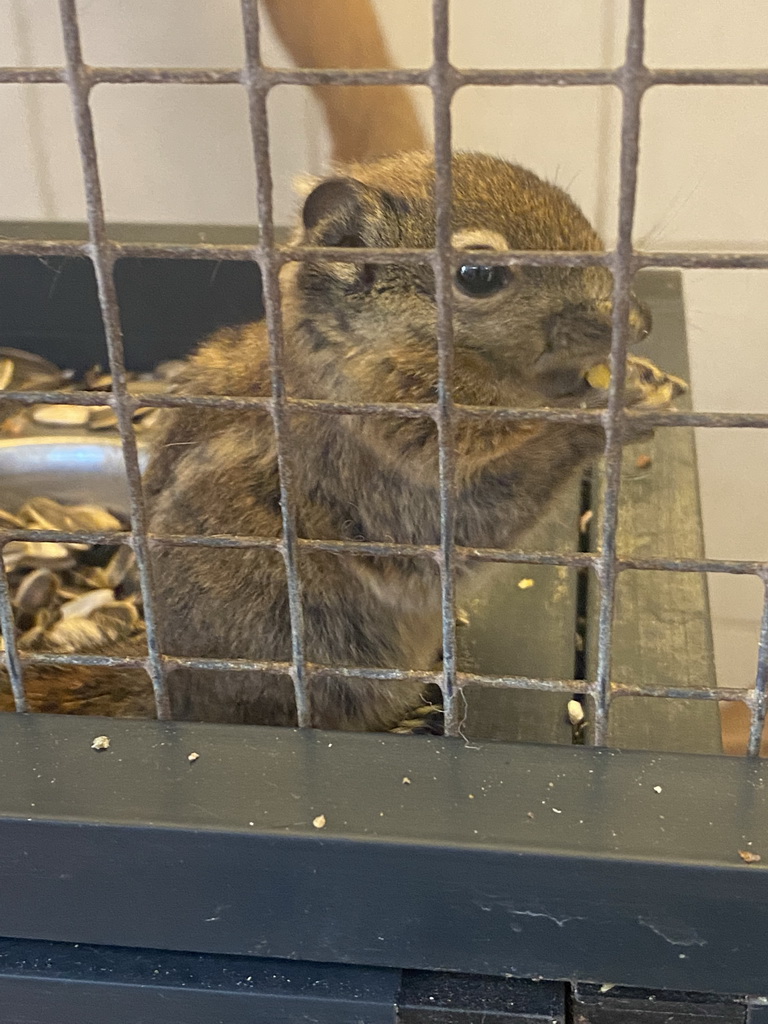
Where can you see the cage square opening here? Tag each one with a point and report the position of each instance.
(664, 646)
(695, 193)
(501, 33)
(526, 621)
(568, 136)
(157, 33)
(33, 34)
(175, 154)
(74, 598)
(705, 34)
(42, 176)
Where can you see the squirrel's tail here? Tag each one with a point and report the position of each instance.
(86, 690)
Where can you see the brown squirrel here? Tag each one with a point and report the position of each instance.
(523, 336)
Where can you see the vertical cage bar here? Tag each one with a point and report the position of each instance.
(103, 264)
(760, 696)
(8, 633)
(442, 93)
(257, 87)
(632, 77)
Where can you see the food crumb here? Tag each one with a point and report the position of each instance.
(599, 376)
(406, 781)
(319, 821)
(643, 461)
(193, 756)
(525, 584)
(556, 810)
(607, 986)
(100, 743)
(575, 712)
(585, 520)
(657, 789)
(529, 814)
(750, 858)
(471, 796)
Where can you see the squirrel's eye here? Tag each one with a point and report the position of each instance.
(481, 281)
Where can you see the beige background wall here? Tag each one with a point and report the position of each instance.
(182, 154)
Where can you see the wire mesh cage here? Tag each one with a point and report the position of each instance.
(611, 889)
(633, 79)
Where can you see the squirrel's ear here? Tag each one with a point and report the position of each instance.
(341, 212)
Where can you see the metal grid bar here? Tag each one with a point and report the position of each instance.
(259, 124)
(442, 94)
(574, 560)
(385, 76)
(633, 79)
(103, 265)
(462, 679)
(632, 95)
(410, 410)
(759, 697)
(10, 651)
(678, 260)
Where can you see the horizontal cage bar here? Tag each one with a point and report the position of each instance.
(458, 77)
(579, 560)
(680, 260)
(409, 410)
(462, 679)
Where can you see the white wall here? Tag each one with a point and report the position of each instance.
(182, 154)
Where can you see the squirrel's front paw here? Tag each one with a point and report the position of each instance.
(424, 721)
(647, 387)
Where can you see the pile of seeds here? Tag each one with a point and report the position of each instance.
(70, 597)
(24, 371)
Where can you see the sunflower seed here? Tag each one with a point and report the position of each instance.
(48, 514)
(102, 417)
(74, 634)
(37, 554)
(6, 372)
(115, 621)
(9, 522)
(61, 415)
(119, 566)
(145, 416)
(36, 590)
(86, 605)
(13, 554)
(31, 372)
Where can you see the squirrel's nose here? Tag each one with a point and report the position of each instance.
(640, 319)
(585, 328)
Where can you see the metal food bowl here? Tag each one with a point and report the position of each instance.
(72, 468)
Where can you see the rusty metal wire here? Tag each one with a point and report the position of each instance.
(633, 80)
(442, 94)
(409, 410)
(680, 260)
(103, 265)
(758, 703)
(632, 95)
(270, 267)
(387, 76)
(574, 560)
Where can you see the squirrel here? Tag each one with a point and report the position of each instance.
(523, 337)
